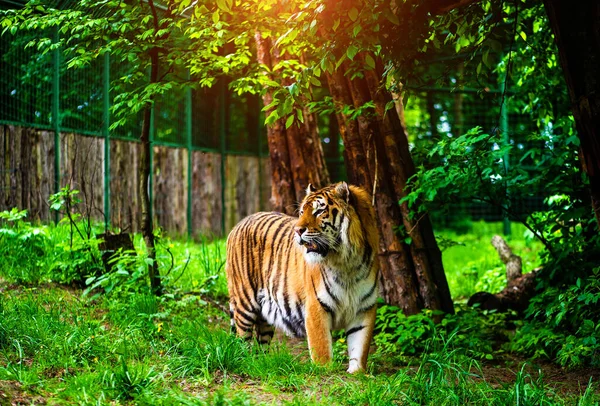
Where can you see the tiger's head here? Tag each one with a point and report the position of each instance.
(325, 218)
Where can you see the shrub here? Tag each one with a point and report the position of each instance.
(563, 322)
(23, 248)
(471, 332)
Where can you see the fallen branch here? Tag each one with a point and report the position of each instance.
(519, 288)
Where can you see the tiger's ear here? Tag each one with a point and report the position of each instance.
(310, 189)
(343, 191)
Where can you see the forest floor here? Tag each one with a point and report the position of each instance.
(59, 348)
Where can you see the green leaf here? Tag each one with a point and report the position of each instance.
(523, 35)
(496, 45)
(391, 17)
(353, 14)
(351, 52)
(336, 24)
(340, 61)
(356, 30)
(289, 121)
(315, 81)
(370, 61)
(271, 118)
(300, 115)
(223, 6)
(215, 17)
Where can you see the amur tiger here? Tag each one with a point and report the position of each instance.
(308, 275)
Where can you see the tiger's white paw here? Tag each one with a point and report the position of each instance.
(354, 367)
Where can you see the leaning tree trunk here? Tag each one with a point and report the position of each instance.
(296, 153)
(378, 158)
(576, 30)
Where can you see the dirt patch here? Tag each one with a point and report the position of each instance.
(12, 393)
(562, 381)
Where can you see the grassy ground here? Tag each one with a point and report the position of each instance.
(58, 347)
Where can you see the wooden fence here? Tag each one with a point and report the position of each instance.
(27, 169)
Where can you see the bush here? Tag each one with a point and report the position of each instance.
(470, 332)
(564, 323)
(23, 248)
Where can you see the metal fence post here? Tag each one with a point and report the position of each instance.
(222, 149)
(106, 134)
(188, 131)
(56, 115)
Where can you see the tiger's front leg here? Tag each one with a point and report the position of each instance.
(358, 335)
(318, 331)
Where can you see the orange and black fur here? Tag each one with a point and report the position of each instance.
(308, 275)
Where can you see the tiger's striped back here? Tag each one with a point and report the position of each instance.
(260, 251)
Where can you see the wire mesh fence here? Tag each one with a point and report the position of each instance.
(38, 91)
(449, 113)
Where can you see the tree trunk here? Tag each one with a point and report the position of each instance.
(378, 158)
(577, 33)
(147, 226)
(296, 153)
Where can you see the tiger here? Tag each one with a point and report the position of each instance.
(308, 275)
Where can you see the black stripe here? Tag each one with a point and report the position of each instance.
(369, 293)
(286, 298)
(292, 327)
(244, 327)
(334, 213)
(299, 311)
(246, 317)
(246, 304)
(246, 251)
(328, 288)
(353, 330)
(366, 309)
(367, 254)
(269, 333)
(269, 268)
(325, 306)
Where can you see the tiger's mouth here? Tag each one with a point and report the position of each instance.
(316, 248)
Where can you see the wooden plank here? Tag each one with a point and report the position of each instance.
(124, 181)
(81, 168)
(27, 181)
(206, 195)
(242, 196)
(231, 197)
(265, 185)
(170, 189)
(45, 167)
(38, 180)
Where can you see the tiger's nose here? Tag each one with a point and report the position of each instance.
(300, 230)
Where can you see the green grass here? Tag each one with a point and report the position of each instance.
(129, 347)
(137, 348)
